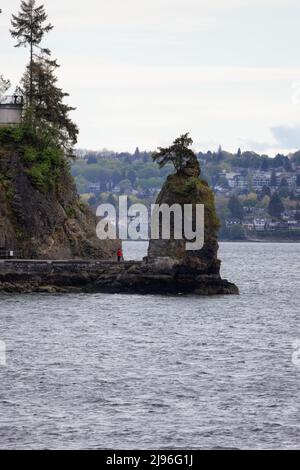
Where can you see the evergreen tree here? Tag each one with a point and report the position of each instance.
(137, 153)
(179, 154)
(276, 207)
(239, 153)
(48, 109)
(287, 165)
(132, 177)
(116, 177)
(236, 208)
(283, 190)
(29, 28)
(45, 109)
(273, 181)
(219, 155)
(265, 164)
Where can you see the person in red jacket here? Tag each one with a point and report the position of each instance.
(120, 254)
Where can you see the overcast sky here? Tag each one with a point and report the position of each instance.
(140, 72)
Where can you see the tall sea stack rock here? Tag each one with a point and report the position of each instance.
(188, 188)
(47, 223)
(195, 271)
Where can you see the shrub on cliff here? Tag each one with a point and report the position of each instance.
(43, 159)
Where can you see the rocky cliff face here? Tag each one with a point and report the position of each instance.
(198, 270)
(50, 224)
(188, 188)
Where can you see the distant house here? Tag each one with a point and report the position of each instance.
(94, 187)
(231, 179)
(237, 181)
(248, 225)
(260, 179)
(291, 179)
(220, 189)
(232, 221)
(241, 181)
(293, 224)
(277, 225)
(248, 209)
(272, 225)
(116, 190)
(259, 225)
(288, 215)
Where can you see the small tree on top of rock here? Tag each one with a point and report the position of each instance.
(179, 154)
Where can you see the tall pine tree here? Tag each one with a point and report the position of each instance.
(48, 105)
(29, 28)
(45, 109)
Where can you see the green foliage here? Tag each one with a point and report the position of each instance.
(150, 183)
(202, 194)
(70, 211)
(30, 155)
(112, 172)
(42, 157)
(125, 185)
(11, 135)
(284, 192)
(37, 173)
(191, 185)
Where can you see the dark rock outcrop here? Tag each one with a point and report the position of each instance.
(195, 271)
(52, 224)
(132, 277)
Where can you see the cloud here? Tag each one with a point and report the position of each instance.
(284, 138)
(287, 136)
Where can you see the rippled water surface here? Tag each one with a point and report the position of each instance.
(121, 371)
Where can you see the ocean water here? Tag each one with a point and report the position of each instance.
(120, 371)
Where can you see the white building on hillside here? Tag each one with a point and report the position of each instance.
(11, 110)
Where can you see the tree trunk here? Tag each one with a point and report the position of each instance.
(31, 63)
